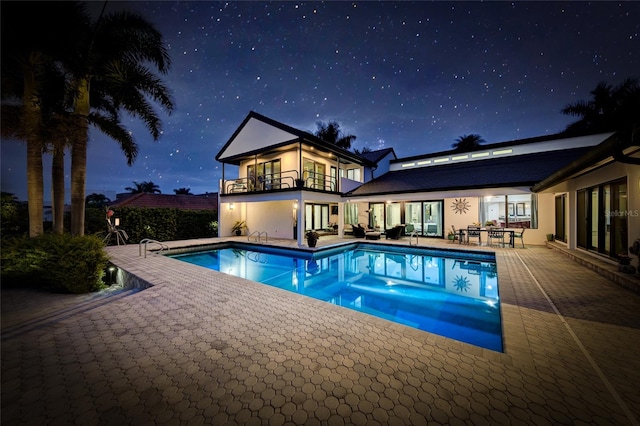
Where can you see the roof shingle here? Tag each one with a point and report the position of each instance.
(514, 171)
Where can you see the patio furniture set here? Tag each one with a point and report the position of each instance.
(492, 234)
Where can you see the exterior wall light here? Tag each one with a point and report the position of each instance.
(232, 206)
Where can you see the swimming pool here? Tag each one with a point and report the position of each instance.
(450, 293)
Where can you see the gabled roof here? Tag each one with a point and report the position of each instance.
(182, 202)
(516, 171)
(258, 133)
(376, 156)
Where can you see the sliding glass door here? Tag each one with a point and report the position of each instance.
(602, 218)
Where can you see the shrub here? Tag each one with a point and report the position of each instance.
(162, 224)
(62, 263)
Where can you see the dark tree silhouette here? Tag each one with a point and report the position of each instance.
(467, 142)
(183, 191)
(97, 200)
(148, 187)
(610, 109)
(330, 132)
(363, 150)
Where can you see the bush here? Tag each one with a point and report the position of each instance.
(61, 263)
(162, 224)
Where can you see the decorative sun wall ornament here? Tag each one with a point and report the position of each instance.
(460, 206)
(461, 283)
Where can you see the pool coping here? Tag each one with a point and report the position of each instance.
(513, 334)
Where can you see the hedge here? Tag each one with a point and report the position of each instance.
(162, 224)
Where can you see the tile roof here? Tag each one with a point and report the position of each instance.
(521, 170)
(182, 202)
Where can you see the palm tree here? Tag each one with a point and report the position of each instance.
(467, 142)
(148, 187)
(112, 73)
(610, 109)
(364, 150)
(97, 200)
(183, 191)
(330, 132)
(26, 60)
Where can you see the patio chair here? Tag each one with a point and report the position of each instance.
(394, 233)
(474, 232)
(113, 231)
(358, 231)
(519, 235)
(496, 234)
(458, 234)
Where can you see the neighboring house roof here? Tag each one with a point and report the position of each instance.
(258, 134)
(515, 171)
(182, 202)
(376, 156)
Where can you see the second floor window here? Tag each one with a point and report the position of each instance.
(264, 176)
(314, 175)
(354, 174)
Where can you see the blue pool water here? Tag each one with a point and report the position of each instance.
(452, 294)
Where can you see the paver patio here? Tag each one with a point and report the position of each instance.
(201, 347)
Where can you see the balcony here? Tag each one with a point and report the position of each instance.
(283, 181)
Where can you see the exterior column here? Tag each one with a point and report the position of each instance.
(572, 220)
(300, 220)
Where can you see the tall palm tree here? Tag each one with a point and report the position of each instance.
(148, 187)
(331, 132)
(467, 142)
(26, 60)
(113, 73)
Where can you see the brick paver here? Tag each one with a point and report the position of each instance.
(200, 347)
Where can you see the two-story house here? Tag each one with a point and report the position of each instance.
(284, 181)
(584, 191)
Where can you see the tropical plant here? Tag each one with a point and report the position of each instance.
(612, 108)
(183, 191)
(27, 62)
(467, 142)
(239, 226)
(364, 149)
(97, 200)
(106, 69)
(148, 187)
(112, 72)
(312, 238)
(331, 132)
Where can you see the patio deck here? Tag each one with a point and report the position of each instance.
(201, 347)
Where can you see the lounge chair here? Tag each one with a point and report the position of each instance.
(358, 231)
(394, 233)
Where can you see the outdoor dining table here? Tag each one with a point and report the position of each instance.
(465, 232)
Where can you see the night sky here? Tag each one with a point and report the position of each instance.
(412, 76)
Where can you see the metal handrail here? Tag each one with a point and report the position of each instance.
(149, 240)
(414, 233)
(257, 235)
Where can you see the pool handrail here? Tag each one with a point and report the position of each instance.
(149, 240)
(258, 235)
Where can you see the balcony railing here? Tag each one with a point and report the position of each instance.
(280, 181)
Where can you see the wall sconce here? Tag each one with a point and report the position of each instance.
(117, 221)
(232, 206)
(295, 205)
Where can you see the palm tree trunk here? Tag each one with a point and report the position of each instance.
(35, 181)
(57, 183)
(79, 159)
